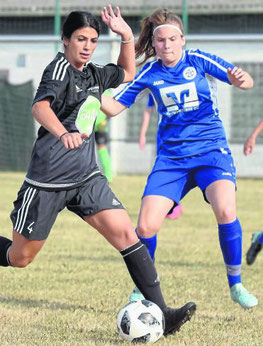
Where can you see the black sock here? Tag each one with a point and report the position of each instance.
(143, 273)
(4, 246)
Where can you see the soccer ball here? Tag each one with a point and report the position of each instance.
(141, 321)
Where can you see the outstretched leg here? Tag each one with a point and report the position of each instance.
(19, 252)
(152, 213)
(116, 227)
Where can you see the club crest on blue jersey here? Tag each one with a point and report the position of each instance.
(189, 73)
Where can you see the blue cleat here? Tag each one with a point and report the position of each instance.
(255, 247)
(239, 294)
(136, 295)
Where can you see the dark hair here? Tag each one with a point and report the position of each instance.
(161, 16)
(79, 19)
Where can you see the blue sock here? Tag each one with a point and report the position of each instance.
(260, 239)
(230, 237)
(150, 243)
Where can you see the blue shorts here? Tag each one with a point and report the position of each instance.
(174, 178)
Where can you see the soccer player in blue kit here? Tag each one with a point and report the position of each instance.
(193, 150)
(63, 171)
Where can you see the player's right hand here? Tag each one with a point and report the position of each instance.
(73, 140)
(249, 145)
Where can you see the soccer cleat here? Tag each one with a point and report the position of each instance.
(255, 247)
(175, 318)
(176, 212)
(136, 295)
(241, 295)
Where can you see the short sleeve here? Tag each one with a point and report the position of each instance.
(135, 89)
(53, 82)
(111, 75)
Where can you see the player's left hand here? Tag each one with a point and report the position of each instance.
(116, 23)
(240, 78)
(236, 76)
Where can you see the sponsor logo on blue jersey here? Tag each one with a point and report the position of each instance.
(178, 98)
(158, 82)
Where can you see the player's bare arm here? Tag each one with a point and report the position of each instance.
(45, 116)
(110, 106)
(118, 25)
(144, 127)
(251, 140)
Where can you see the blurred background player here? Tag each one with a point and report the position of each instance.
(177, 209)
(146, 122)
(102, 139)
(193, 148)
(257, 237)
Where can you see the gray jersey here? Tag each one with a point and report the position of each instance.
(52, 166)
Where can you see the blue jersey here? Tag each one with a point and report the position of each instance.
(187, 102)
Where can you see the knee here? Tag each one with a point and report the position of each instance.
(21, 260)
(125, 236)
(226, 214)
(147, 230)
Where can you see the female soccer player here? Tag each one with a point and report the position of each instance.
(193, 149)
(63, 170)
(257, 237)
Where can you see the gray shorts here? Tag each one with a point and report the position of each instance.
(35, 210)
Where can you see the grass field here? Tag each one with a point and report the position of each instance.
(72, 292)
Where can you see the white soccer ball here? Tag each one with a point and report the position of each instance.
(141, 321)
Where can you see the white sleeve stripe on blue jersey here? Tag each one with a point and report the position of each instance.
(135, 80)
(208, 59)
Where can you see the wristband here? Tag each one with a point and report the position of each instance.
(128, 41)
(63, 134)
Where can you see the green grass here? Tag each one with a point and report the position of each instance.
(72, 292)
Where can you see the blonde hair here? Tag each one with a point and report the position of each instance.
(144, 43)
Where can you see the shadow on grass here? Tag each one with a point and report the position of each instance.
(42, 303)
(98, 334)
(194, 264)
(106, 259)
